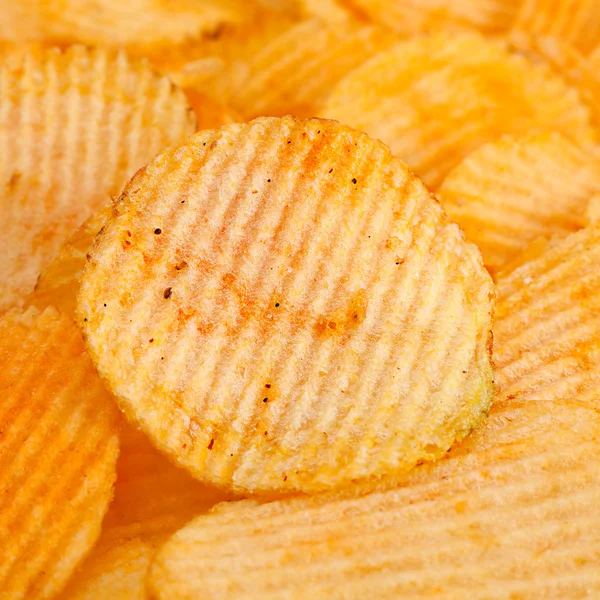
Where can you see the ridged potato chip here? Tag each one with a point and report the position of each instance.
(417, 16)
(576, 22)
(74, 126)
(282, 305)
(547, 329)
(294, 73)
(510, 514)
(153, 499)
(58, 450)
(519, 188)
(141, 25)
(435, 99)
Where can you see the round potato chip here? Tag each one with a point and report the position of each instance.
(576, 22)
(435, 99)
(547, 329)
(282, 306)
(295, 72)
(58, 449)
(74, 126)
(511, 513)
(519, 188)
(153, 499)
(408, 17)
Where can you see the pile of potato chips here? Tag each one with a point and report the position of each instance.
(300, 299)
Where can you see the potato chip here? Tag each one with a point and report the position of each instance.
(135, 24)
(435, 99)
(295, 72)
(209, 113)
(519, 188)
(58, 449)
(416, 16)
(74, 126)
(290, 310)
(152, 500)
(576, 22)
(510, 514)
(547, 329)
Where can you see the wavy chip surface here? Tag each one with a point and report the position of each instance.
(509, 514)
(152, 500)
(58, 449)
(576, 22)
(417, 16)
(547, 328)
(435, 99)
(74, 127)
(510, 192)
(295, 72)
(281, 305)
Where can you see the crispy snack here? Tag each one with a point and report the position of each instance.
(58, 449)
(576, 22)
(74, 126)
(547, 330)
(153, 499)
(519, 188)
(295, 72)
(141, 25)
(508, 514)
(290, 310)
(435, 99)
(408, 17)
(209, 113)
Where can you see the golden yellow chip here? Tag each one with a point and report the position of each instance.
(519, 188)
(435, 99)
(296, 71)
(416, 16)
(74, 126)
(209, 113)
(58, 449)
(510, 514)
(576, 22)
(136, 24)
(547, 330)
(152, 500)
(281, 305)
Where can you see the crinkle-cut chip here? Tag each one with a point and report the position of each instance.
(74, 127)
(58, 283)
(328, 11)
(216, 63)
(290, 310)
(408, 17)
(547, 329)
(576, 68)
(58, 451)
(592, 214)
(210, 114)
(296, 71)
(510, 514)
(576, 22)
(512, 191)
(153, 499)
(531, 252)
(435, 99)
(135, 24)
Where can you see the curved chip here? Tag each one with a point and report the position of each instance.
(137, 24)
(408, 17)
(510, 192)
(509, 514)
(576, 22)
(74, 126)
(435, 99)
(294, 73)
(58, 449)
(291, 310)
(153, 499)
(547, 329)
